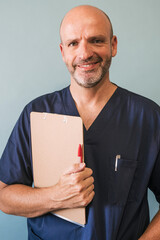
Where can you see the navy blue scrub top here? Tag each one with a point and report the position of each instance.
(129, 126)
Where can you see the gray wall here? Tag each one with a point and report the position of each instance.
(31, 64)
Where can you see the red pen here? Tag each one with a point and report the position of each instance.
(80, 153)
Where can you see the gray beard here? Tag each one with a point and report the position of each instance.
(93, 81)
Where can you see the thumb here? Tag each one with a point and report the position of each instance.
(77, 167)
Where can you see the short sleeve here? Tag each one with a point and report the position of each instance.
(15, 163)
(154, 183)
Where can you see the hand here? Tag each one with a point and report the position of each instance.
(75, 187)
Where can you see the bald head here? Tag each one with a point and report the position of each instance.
(88, 12)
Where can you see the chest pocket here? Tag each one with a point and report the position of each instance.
(120, 180)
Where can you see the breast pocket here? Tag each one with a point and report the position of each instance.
(120, 180)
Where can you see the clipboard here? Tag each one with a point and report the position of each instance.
(55, 139)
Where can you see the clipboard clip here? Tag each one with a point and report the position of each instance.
(44, 116)
(65, 119)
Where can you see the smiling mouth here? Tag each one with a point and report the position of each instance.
(88, 66)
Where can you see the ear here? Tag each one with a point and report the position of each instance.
(114, 43)
(62, 51)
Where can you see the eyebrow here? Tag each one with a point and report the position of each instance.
(71, 40)
(103, 37)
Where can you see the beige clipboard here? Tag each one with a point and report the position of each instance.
(55, 140)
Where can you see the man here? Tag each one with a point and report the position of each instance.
(121, 141)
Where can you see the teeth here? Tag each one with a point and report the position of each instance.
(87, 65)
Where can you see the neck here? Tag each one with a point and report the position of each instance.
(90, 101)
(102, 91)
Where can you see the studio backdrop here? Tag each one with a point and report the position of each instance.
(31, 63)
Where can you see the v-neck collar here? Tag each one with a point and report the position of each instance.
(101, 120)
(100, 123)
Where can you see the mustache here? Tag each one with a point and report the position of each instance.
(92, 59)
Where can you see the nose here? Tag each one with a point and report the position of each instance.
(84, 51)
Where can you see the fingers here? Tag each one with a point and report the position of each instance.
(88, 182)
(83, 193)
(88, 196)
(85, 184)
(77, 180)
(85, 174)
(75, 187)
(84, 198)
(75, 168)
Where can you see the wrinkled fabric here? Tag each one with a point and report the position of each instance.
(129, 126)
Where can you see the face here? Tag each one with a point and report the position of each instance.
(87, 48)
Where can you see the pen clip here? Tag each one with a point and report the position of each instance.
(116, 162)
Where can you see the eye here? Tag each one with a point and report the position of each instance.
(97, 41)
(72, 44)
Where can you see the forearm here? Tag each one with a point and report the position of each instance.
(25, 201)
(153, 230)
(74, 189)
